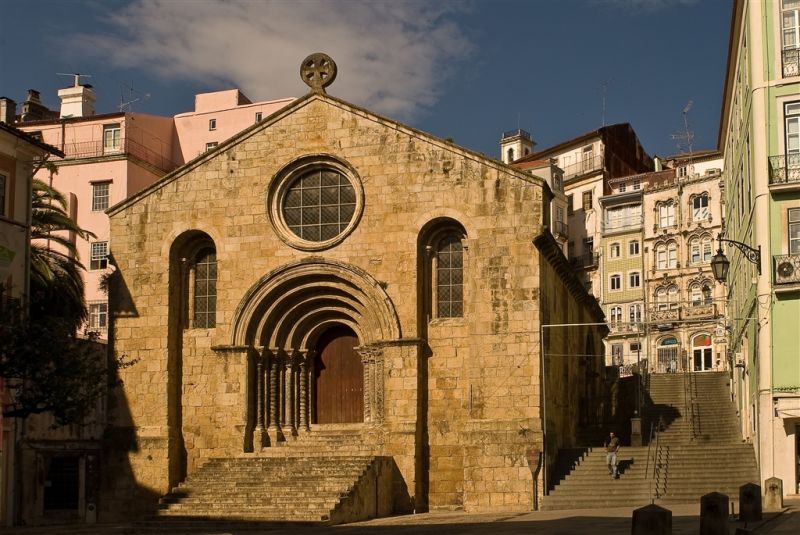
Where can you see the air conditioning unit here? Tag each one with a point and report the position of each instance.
(786, 271)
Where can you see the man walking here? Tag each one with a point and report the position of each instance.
(612, 447)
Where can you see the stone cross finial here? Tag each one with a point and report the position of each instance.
(318, 71)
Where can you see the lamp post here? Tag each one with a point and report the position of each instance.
(720, 263)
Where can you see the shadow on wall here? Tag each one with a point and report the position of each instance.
(120, 497)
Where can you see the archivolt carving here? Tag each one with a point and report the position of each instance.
(290, 306)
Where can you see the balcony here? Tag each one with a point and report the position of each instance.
(611, 226)
(791, 62)
(624, 327)
(697, 311)
(787, 270)
(784, 170)
(587, 165)
(560, 229)
(128, 147)
(586, 260)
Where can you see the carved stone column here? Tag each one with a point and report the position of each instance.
(259, 434)
(290, 423)
(372, 360)
(305, 394)
(377, 382)
(367, 363)
(274, 426)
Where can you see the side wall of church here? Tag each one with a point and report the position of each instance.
(461, 395)
(571, 354)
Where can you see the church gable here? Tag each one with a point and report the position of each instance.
(332, 267)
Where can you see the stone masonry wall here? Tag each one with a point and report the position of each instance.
(461, 395)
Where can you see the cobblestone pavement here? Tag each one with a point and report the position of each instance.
(685, 521)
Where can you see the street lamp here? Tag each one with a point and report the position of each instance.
(720, 263)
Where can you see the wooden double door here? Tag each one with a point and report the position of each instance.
(338, 378)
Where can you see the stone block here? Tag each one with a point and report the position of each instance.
(750, 502)
(651, 520)
(773, 494)
(714, 514)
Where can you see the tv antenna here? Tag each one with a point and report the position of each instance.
(77, 76)
(686, 137)
(127, 105)
(604, 93)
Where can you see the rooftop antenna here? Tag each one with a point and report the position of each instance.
(77, 76)
(127, 105)
(686, 137)
(604, 87)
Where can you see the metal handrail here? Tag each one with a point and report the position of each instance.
(690, 402)
(655, 436)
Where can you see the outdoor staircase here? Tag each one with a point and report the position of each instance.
(326, 476)
(699, 450)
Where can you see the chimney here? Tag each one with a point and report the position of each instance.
(8, 110)
(77, 101)
(657, 163)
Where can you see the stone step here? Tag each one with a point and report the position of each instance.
(291, 485)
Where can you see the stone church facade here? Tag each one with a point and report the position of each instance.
(329, 268)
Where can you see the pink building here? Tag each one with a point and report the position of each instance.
(109, 157)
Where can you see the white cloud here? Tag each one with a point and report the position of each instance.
(392, 56)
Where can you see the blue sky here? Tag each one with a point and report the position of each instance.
(467, 70)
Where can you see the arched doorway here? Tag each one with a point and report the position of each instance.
(702, 354)
(338, 378)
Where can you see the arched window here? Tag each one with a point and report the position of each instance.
(667, 297)
(667, 352)
(695, 295)
(510, 155)
(204, 294)
(442, 283)
(666, 214)
(449, 277)
(708, 298)
(667, 255)
(700, 249)
(672, 296)
(616, 314)
(700, 207)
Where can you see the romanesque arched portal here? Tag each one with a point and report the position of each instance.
(312, 325)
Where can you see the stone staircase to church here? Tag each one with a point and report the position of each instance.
(326, 476)
(699, 451)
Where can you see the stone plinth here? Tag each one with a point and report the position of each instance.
(651, 520)
(750, 502)
(714, 514)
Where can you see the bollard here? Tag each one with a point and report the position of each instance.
(749, 502)
(773, 496)
(651, 520)
(714, 514)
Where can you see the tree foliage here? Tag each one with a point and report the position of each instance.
(46, 366)
(57, 288)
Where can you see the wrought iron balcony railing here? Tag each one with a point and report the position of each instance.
(784, 169)
(623, 327)
(787, 268)
(587, 165)
(586, 260)
(518, 132)
(791, 62)
(620, 225)
(95, 149)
